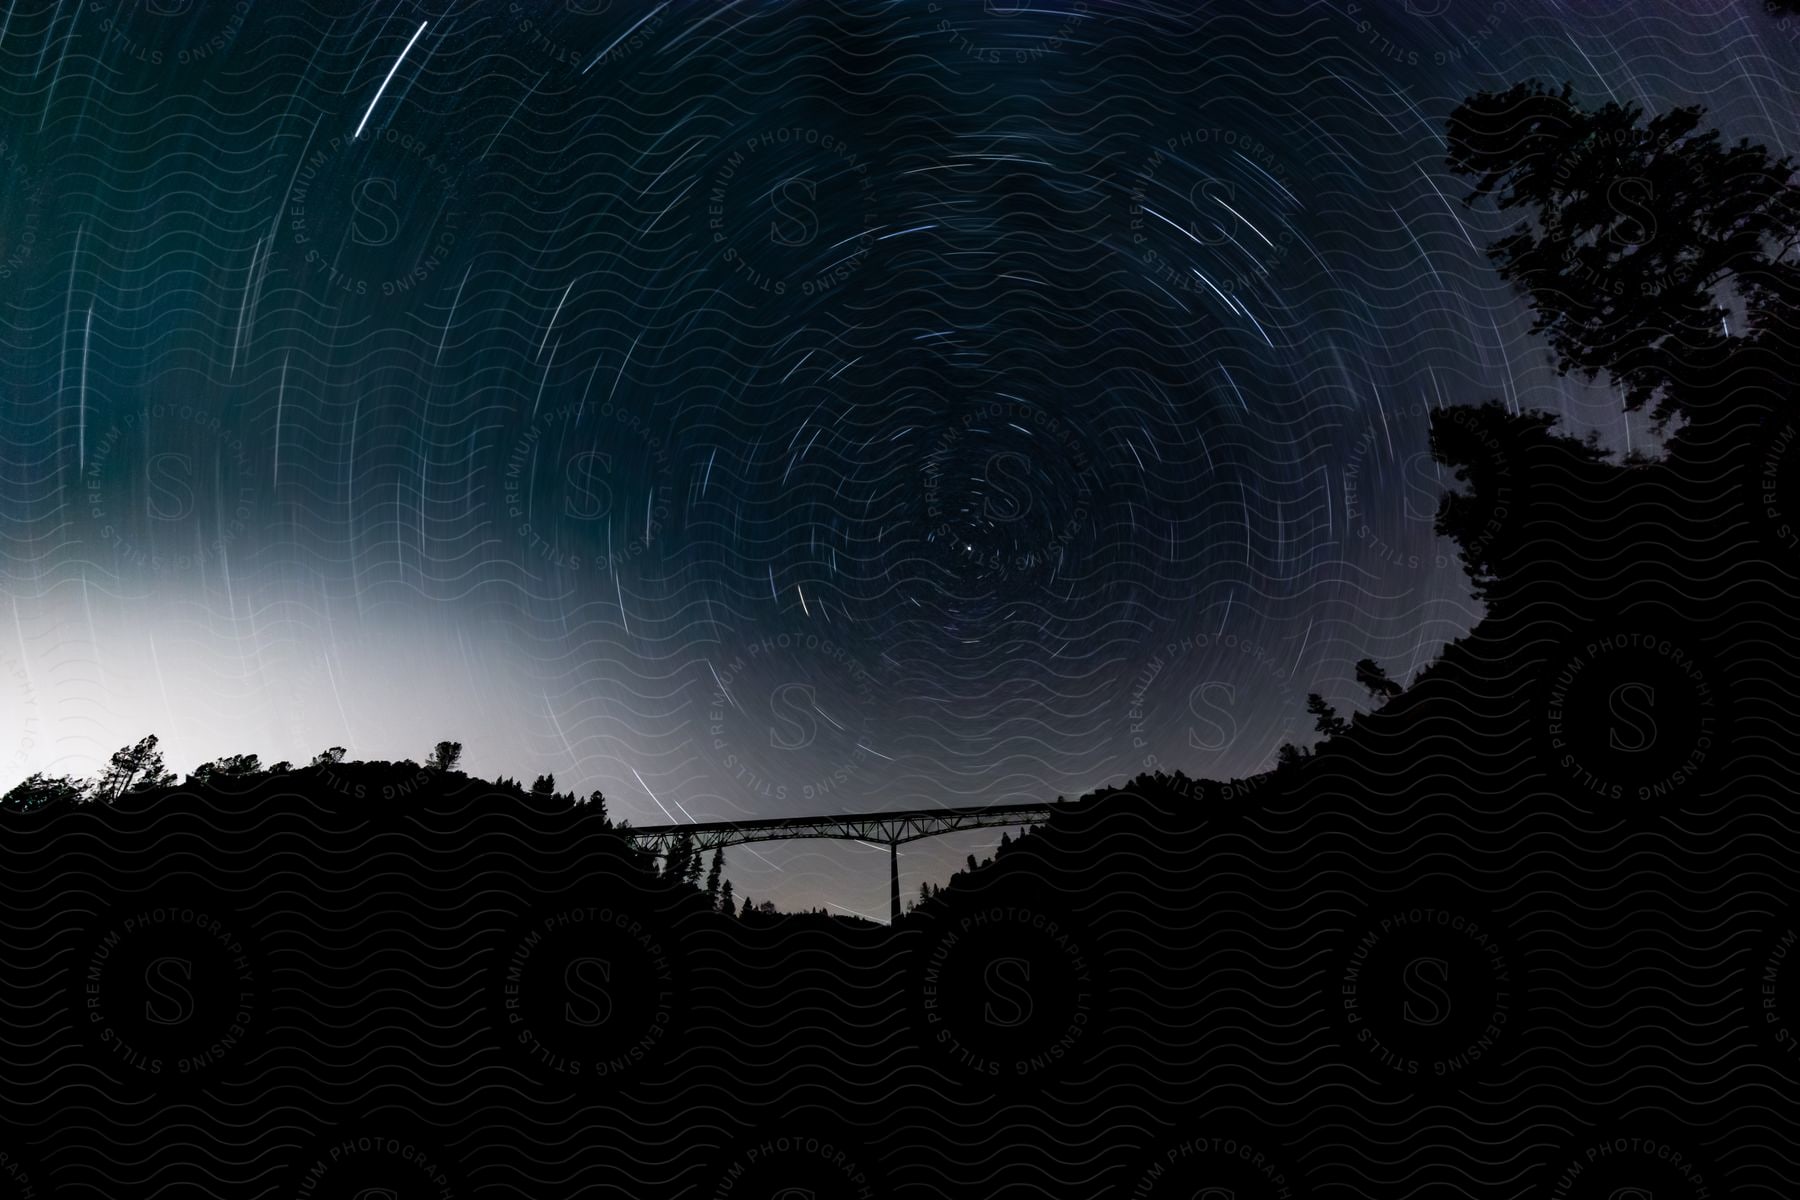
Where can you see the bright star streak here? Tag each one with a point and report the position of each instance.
(385, 82)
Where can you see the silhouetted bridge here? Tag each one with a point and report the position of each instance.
(890, 827)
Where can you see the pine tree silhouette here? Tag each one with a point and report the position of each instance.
(137, 767)
(1329, 723)
(715, 873)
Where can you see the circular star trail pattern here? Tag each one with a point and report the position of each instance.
(755, 410)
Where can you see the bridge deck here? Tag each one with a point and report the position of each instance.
(893, 828)
(906, 826)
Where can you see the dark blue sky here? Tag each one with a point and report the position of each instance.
(758, 409)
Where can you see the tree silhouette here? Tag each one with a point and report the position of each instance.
(598, 803)
(749, 907)
(231, 767)
(1374, 676)
(679, 858)
(38, 790)
(445, 756)
(1636, 230)
(329, 757)
(1329, 723)
(1492, 453)
(727, 904)
(544, 785)
(133, 767)
(715, 874)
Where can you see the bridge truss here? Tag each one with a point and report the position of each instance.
(892, 828)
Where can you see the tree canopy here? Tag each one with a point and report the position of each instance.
(1645, 239)
(38, 790)
(1374, 676)
(445, 756)
(132, 768)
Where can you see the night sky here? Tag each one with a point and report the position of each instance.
(760, 409)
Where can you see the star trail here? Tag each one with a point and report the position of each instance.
(760, 410)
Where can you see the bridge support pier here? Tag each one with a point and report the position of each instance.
(869, 829)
